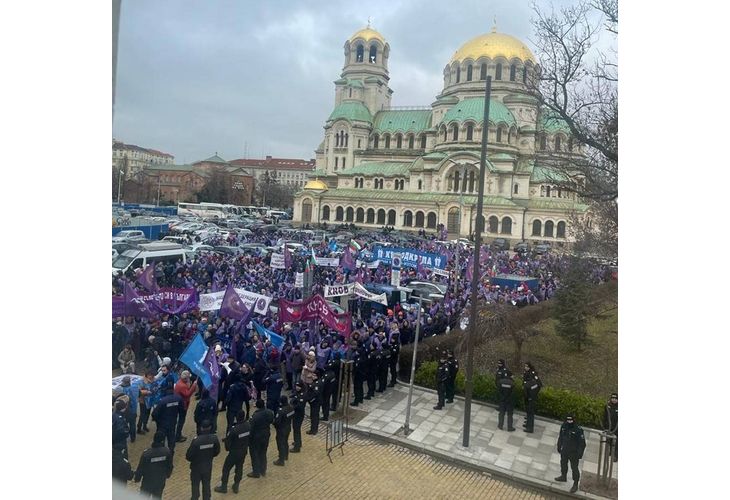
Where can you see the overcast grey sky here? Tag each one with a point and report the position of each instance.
(199, 77)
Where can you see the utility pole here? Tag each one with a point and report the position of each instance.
(475, 276)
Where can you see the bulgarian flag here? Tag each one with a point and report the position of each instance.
(355, 247)
(311, 262)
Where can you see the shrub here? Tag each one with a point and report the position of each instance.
(552, 403)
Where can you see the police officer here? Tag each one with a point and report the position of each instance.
(282, 424)
(121, 470)
(314, 396)
(155, 467)
(610, 423)
(207, 409)
(329, 382)
(383, 357)
(359, 359)
(167, 412)
(442, 378)
(120, 427)
(502, 371)
(506, 403)
(200, 454)
(298, 403)
(261, 421)
(335, 368)
(236, 443)
(371, 370)
(531, 385)
(571, 445)
(274, 384)
(393, 361)
(453, 369)
(237, 395)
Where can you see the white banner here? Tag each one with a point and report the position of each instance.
(299, 280)
(440, 272)
(213, 301)
(337, 290)
(327, 261)
(395, 277)
(277, 261)
(364, 293)
(370, 265)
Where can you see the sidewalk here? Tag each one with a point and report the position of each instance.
(529, 458)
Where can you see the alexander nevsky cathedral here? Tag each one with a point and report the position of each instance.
(418, 167)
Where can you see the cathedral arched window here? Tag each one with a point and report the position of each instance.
(512, 70)
(570, 144)
(499, 134)
(498, 72)
(359, 215)
(373, 54)
(517, 188)
(456, 182)
(543, 142)
(458, 74)
(350, 92)
(325, 213)
(343, 163)
(339, 212)
(347, 137)
(349, 214)
(337, 162)
(542, 191)
(537, 228)
(410, 142)
(376, 140)
(547, 191)
(370, 218)
(549, 229)
(399, 141)
(483, 72)
(470, 132)
(360, 53)
(408, 218)
(419, 219)
(493, 224)
(423, 142)
(472, 181)
(337, 140)
(557, 143)
(561, 230)
(506, 225)
(420, 184)
(443, 130)
(431, 221)
(455, 132)
(387, 142)
(381, 216)
(391, 217)
(468, 73)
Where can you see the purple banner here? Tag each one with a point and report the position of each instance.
(166, 301)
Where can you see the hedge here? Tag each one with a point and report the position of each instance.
(552, 403)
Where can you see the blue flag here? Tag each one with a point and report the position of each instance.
(276, 339)
(194, 358)
(333, 245)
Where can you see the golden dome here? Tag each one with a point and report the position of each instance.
(316, 185)
(492, 45)
(368, 34)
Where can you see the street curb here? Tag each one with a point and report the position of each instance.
(473, 464)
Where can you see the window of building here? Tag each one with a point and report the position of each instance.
(498, 72)
(561, 230)
(543, 142)
(547, 191)
(346, 139)
(349, 214)
(373, 54)
(375, 142)
(343, 163)
(570, 144)
(350, 92)
(455, 132)
(444, 132)
(387, 142)
(358, 144)
(339, 213)
(360, 215)
(408, 218)
(410, 142)
(499, 134)
(337, 140)
(419, 219)
(493, 224)
(456, 182)
(542, 191)
(557, 143)
(399, 141)
(360, 53)
(537, 228)
(458, 74)
(512, 70)
(420, 184)
(423, 142)
(468, 73)
(549, 229)
(370, 218)
(470, 132)
(337, 162)
(506, 225)
(517, 188)
(483, 72)
(431, 221)
(381, 216)
(472, 181)
(391, 217)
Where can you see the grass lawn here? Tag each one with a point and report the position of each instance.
(592, 371)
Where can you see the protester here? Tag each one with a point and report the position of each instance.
(130, 413)
(185, 389)
(126, 359)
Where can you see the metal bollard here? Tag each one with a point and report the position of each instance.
(605, 458)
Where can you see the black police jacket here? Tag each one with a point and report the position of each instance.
(314, 394)
(237, 437)
(531, 387)
(394, 353)
(260, 422)
(282, 420)
(298, 403)
(155, 466)
(443, 373)
(504, 389)
(453, 367)
(121, 469)
(120, 429)
(237, 395)
(202, 450)
(610, 418)
(571, 441)
(168, 410)
(207, 409)
(329, 381)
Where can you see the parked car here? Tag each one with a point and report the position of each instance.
(522, 247)
(500, 244)
(129, 235)
(542, 248)
(425, 289)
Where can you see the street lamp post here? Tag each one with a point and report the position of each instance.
(406, 426)
(119, 187)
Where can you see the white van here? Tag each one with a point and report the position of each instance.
(146, 253)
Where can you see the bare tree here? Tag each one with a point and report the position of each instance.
(577, 86)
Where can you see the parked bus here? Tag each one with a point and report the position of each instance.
(202, 210)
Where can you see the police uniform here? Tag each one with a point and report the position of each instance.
(200, 454)
(371, 372)
(314, 396)
(442, 378)
(336, 363)
(236, 443)
(451, 384)
(282, 424)
(260, 422)
(531, 385)
(360, 368)
(571, 445)
(393, 361)
(610, 424)
(166, 413)
(505, 386)
(274, 384)
(155, 467)
(121, 470)
(206, 409)
(383, 358)
(120, 432)
(329, 385)
(298, 403)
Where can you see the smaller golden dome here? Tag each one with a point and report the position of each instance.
(316, 185)
(492, 45)
(368, 34)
